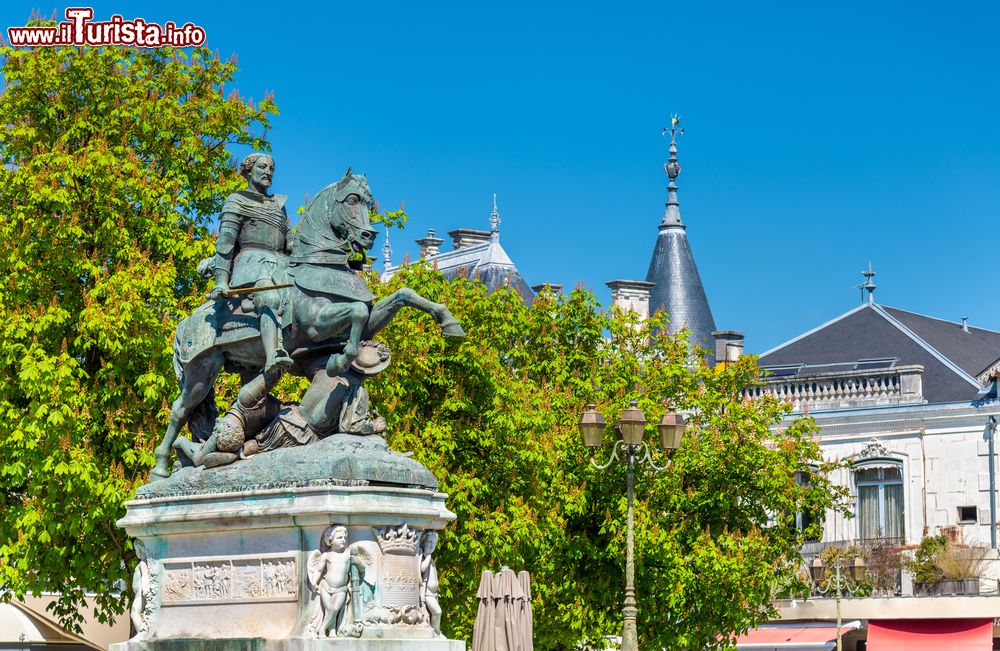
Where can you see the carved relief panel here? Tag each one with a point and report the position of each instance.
(269, 577)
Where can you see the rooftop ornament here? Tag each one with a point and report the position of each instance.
(672, 214)
(868, 285)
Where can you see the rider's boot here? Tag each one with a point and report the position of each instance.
(276, 357)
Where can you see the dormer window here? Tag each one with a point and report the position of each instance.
(872, 364)
(781, 371)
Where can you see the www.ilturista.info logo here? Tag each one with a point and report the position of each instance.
(80, 29)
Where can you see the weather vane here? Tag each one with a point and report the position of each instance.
(868, 285)
(675, 129)
(673, 168)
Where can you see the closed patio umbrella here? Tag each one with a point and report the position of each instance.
(506, 625)
(482, 632)
(527, 625)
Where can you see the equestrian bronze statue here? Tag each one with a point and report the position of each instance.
(284, 303)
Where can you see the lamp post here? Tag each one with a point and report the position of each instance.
(630, 449)
(839, 583)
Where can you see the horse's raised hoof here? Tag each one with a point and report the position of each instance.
(450, 327)
(216, 459)
(337, 365)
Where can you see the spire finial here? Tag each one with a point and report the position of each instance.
(672, 214)
(868, 285)
(495, 216)
(386, 253)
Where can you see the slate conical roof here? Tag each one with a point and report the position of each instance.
(677, 287)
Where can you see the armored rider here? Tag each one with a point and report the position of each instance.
(253, 234)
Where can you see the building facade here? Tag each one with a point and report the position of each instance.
(909, 402)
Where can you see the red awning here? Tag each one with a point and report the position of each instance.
(930, 634)
(791, 637)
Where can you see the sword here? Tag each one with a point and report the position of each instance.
(233, 293)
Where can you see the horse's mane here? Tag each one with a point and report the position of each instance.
(326, 197)
(321, 200)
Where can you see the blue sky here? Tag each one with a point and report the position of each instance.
(819, 136)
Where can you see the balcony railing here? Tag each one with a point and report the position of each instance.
(885, 575)
(881, 580)
(902, 385)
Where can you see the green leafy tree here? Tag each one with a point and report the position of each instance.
(494, 416)
(114, 160)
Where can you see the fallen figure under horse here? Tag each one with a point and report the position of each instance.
(326, 311)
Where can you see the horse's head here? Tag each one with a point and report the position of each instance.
(343, 208)
(351, 202)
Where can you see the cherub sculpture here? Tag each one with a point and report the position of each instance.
(334, 574)
(429, 580)
(142, 589)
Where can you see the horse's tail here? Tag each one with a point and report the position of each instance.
(202, 418)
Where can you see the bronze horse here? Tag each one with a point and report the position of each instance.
(327, 311)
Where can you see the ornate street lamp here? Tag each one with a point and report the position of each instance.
(631, 428)
(592, 428)
(671, 429)
(846, 579)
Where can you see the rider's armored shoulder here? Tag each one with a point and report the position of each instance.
(233, 208)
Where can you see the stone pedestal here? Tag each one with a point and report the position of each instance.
(234, 555)
(294, 644)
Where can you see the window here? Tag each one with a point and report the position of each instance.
(780, 371)
(880, 501)
(872, 364)
(967, 515)
(805, 519)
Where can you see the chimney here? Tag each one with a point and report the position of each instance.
(464, 237)
(552, 287)
(728, 346)
(631, 296)
(429, 245)
(965, 324)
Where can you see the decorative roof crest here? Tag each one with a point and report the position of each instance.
(387, 252)
(495, 216)
(873, 449)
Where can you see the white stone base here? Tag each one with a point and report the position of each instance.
(229, 571)
(296, 644)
